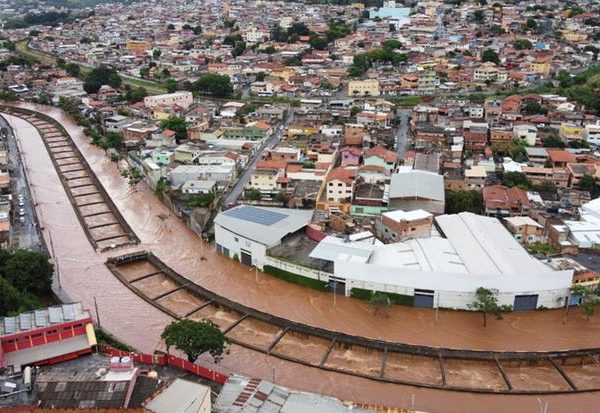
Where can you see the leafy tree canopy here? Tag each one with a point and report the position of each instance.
(195, 338)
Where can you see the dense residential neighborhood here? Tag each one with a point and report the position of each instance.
(425, 159)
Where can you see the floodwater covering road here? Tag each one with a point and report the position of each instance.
(84, 276)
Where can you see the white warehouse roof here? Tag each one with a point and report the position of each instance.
(331, 248)
(474, 251)
(266, 226)
(417, 184)
(485, 246)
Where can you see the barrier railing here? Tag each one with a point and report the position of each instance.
(162, 359)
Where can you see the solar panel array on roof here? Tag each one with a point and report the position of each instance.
(25, 321)
(68, 312)
(10, 325)
(55, 315)
(40, 318)
(256, 215)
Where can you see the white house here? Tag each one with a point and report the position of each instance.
(592, 134)
(184, 173)
(527, 133)
(181, 99)
(247, 232)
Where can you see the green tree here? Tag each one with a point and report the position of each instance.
(486, 303)
(589, 301)
(28, 271)
(145, 72)
(318, 42)
(73, 69)
(588, 183)
(532, 108)
(201, 200)
(260, 76)
(136, 95)
(69, 105)
(479, 16)
(253, 194)
(176, 124)
(497, 30)
(239, 48)
(489, 55)
(392, 44)
(10, 300)
(133, 176)
(195, 338)
(156, 53)
(298, 29)
(378, 301)
(553, 141)
(102, 75)
(522, 44)
(114, 140)
(463, 201)
(214, 85)
(518, 179)
(171, 85)
(197, 30)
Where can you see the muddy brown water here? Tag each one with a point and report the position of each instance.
(84, 276)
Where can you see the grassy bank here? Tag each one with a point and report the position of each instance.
(296, 279)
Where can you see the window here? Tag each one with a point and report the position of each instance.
(236, 239)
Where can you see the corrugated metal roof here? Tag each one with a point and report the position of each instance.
(417, 184)
(330, 248)
(485, 246)
(266, 226)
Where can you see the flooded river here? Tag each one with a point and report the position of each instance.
(84, 276)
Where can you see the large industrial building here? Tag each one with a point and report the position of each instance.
(445, 270)
(440, 265)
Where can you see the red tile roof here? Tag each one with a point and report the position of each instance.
(345, 175)
(559, 155)
(387, 156)
(501, 197)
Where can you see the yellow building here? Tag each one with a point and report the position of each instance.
(540, 67)
(296, 130)
(137, 45)
(284, 73)
(368, 87)
(160, 114)
(568, 132)
(573, 36)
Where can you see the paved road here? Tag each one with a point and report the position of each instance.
(251, 166)
(403, 116)
(23, 235)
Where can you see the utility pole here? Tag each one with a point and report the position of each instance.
(97, 313)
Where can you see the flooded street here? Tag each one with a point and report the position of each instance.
(84, 276)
